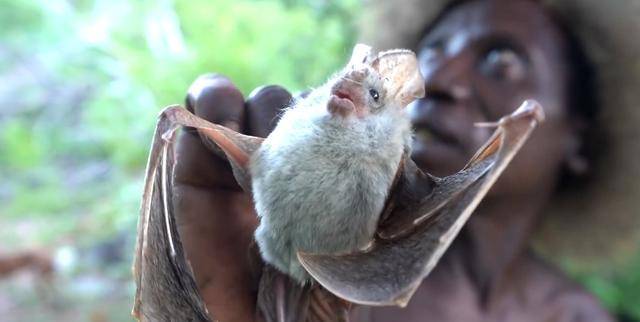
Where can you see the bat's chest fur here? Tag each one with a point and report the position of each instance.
(320, 184)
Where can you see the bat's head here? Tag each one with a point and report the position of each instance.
(371, 83)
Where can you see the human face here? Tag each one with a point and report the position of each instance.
(480, 61)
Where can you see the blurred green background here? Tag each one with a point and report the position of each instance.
(82, 83)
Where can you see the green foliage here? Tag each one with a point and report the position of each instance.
(20, 149)
(86, 79)
(82, 83)
(619, 290)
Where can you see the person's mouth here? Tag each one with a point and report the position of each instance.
(437, 147)
(433, 129)
(428, 132)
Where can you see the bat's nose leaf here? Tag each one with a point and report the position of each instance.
(390, 272)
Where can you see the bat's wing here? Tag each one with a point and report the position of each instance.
(429, 213)
(235, 147)
(166, 289)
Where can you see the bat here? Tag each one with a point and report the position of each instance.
(321, 178)
(419, 218)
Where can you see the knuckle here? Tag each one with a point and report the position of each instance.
(215, 98)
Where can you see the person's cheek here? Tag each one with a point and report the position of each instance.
(498, 98)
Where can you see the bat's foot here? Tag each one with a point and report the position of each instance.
(281, 298)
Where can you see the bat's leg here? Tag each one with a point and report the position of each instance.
(390, 272)
(326, 307)
(282, 299)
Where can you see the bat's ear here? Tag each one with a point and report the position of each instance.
(401, 72)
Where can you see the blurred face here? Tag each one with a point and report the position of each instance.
(480, 61)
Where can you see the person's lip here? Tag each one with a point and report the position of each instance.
(429, 127)
(429, 131)
(437, 146)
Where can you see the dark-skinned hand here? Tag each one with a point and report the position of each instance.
(215, 218)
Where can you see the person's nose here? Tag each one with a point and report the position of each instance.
(448, 78)
(448, 98)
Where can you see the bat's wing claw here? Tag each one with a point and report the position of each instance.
(390, 272)
(528, 108)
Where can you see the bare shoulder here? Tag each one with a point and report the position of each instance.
(560, 297)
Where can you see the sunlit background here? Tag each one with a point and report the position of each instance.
(81, 84)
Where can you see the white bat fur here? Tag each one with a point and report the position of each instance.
(320, 182)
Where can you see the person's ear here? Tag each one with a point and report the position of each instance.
(576, 162)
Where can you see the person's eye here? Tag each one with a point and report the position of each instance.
(503, 63)
(433, 48)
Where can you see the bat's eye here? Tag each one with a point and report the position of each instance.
(374, 94)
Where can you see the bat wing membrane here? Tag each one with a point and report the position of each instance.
(166, 289)
(235, 147)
